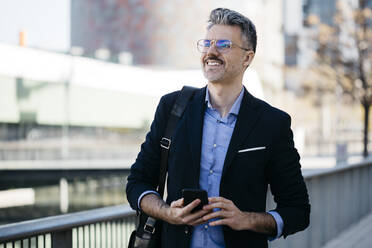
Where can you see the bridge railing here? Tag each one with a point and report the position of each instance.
(103, 227)
(339, 197)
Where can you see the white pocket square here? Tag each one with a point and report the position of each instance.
(252, 149)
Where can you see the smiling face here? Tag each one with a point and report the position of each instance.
(227, 67)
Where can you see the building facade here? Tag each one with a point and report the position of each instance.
(164, 32)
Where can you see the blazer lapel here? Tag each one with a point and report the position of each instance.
(246, 120)
(195, 118)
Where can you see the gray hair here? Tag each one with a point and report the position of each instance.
(230, 17)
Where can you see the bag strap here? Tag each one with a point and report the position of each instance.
(179, 107)
(147, 222)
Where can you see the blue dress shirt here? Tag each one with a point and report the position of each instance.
(217, 132)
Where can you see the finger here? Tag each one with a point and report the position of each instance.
(218, 199)
(221, 205)
(188, 219)
(219, 222)
(177, 203)
(198, 222)
(216, 214)
(198, 216)
(191, 206)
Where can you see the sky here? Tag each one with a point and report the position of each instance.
(46, 23)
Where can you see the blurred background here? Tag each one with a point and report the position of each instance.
(80, 81)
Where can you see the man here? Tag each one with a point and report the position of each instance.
(228, 143)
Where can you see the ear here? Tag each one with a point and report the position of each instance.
(248, 58)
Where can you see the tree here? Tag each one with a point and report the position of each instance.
(344, 53)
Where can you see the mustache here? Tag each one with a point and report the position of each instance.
(212, 57)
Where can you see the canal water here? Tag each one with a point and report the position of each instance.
(73, 196)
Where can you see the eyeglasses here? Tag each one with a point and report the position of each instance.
(221, 45)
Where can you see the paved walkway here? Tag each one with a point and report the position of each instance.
(357, 236)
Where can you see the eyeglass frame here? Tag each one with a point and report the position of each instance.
(214, 41)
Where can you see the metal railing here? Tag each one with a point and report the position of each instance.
(339, 197)
(108, 227)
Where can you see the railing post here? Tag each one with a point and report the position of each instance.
(62, 239)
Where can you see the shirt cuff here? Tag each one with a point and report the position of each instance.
(279, 224)
(143, 194)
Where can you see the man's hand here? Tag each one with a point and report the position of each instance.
(176, 213)
(231, 216)
(228, 214)
(180, 215)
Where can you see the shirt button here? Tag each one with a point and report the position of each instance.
(214, 145)
(206, 227)
(211, 171)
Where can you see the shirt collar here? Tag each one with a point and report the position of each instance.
(235, 107)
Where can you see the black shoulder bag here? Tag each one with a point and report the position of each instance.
(148, 232)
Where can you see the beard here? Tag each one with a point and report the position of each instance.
(213, 73)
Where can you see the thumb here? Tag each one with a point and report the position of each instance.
(178, 203)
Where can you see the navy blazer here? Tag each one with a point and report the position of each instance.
(245, 175)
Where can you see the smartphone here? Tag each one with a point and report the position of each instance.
(189, 195)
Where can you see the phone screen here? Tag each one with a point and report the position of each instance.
(189, 195)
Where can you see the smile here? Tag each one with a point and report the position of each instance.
(213, 62)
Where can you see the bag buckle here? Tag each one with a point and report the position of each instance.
(148, 228)
(165, 143)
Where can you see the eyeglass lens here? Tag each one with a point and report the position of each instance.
(221, 45)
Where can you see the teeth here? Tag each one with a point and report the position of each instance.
(213, 63)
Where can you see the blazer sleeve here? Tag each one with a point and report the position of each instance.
(144, 173)
(286, 181)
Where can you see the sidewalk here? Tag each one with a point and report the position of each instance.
(357, 236)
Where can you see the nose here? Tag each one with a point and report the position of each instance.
(212, 49)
